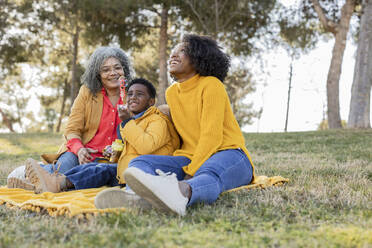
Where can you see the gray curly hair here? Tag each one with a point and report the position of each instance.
(91, 77)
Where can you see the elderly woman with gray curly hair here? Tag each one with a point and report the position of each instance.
(94, 115)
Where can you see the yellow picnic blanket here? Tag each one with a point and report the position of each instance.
(80, 203)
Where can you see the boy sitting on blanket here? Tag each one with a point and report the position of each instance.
(144, 130)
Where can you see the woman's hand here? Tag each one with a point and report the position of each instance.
(123, 112)
(84, 155)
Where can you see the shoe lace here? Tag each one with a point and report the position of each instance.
(56, 171)
(169, 175)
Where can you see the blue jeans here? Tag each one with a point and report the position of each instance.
(224, 170)
(93, 175)
(67, 161)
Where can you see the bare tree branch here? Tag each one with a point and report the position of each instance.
(346, 11)
(222, 7)
(148, 26)
(328, 25)
(227, 22)
(216, 20)
(153, 9)
(197, 15)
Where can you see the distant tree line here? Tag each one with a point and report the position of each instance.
(53, 38)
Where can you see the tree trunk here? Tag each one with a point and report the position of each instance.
(359, 115)
(74, 82)
(163, 41)
(63, 105)
(216, 20)
(289, 94)
(7, 121)
(19, 106)
(333, 101)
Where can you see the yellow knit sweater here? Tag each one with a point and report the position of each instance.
(202, 115)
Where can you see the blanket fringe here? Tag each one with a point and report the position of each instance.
(80, 203)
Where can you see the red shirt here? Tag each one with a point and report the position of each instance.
(106, 132)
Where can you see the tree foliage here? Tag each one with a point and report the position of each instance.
(297, 34)
(67, 28)
(18, 43)
(236, 24)
(130, 21)
(239, 84)
(55, 37)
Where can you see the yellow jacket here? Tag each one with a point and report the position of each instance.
(202, 115)
(152, 133)
(83, 121)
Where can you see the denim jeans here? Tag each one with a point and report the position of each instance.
(93, 175)
(67, 161)
(224, 170)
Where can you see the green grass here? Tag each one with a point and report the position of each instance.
(328, 202)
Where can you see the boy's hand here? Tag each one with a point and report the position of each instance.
(164, 108)
(123, 112)
(107, 152)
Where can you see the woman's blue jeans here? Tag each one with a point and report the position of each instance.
(67, 161)
(224, 170)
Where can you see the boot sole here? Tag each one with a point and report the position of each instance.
(14, 182)
(137, 181)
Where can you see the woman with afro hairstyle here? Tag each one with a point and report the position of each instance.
(213, 157)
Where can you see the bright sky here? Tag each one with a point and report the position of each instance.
(308, 96)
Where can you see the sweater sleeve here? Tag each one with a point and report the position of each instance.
(148, 140)
(74, 145)
(214, 97)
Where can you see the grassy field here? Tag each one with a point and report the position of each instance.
(328, 202)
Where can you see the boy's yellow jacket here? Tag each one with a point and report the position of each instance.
(152, 133)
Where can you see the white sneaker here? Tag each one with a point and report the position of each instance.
(161, 191)
(118, 198)
(18, 172)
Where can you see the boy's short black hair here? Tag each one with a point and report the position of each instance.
(150, 87)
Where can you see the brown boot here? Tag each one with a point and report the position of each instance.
(14, 182)
(29, 173)
(43, 180)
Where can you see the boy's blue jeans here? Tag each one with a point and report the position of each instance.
(224, 170)
(93, 175)
(67, 160)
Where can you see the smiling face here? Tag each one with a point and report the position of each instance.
(138, 98)
(179, 63)
(110, 72)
